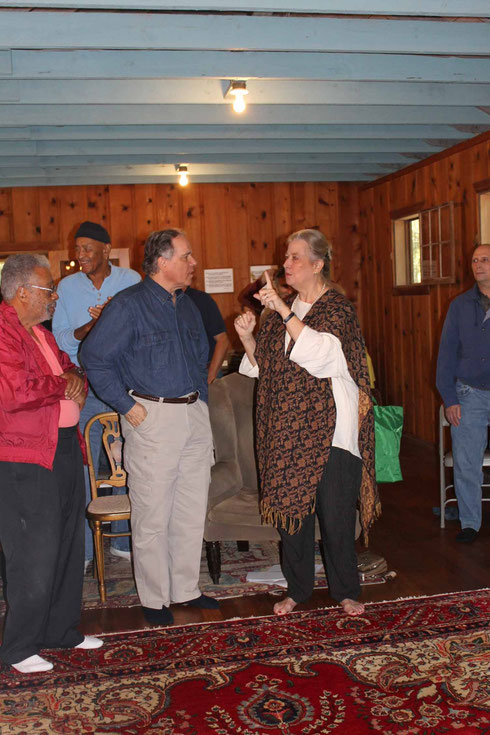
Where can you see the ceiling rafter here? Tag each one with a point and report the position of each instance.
(91, 30)
(434, 8)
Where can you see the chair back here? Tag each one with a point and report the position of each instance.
(111, 438)
(241, 390)
(231, 413)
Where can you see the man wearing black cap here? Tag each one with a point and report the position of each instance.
(82, 297)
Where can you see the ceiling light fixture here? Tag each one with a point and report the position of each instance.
(238, 90)
(183, 178)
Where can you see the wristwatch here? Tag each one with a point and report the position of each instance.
(289, 316)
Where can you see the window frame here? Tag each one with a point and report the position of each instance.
(482, 189)
(401, 253)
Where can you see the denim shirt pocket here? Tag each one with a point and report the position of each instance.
(157, 349)
(195, 343)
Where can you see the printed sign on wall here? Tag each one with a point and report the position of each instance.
(218, 280)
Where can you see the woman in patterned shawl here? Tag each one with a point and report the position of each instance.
(315, 425)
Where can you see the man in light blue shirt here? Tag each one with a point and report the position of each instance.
(81, 299)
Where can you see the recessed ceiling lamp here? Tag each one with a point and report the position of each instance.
(238, 90)
(183, 178)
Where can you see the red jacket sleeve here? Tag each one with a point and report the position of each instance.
(22, 382)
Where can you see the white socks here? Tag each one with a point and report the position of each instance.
(32, 665)
(90, 641)
(35, 664)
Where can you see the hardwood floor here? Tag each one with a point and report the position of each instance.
(426, 558)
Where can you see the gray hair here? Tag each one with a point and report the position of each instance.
(159, 245)
(319, 247)
(17, 271)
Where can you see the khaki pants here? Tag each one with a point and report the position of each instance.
(168, 458)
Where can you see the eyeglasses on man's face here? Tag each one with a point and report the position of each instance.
(52, 289)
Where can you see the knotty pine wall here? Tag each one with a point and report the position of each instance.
(402, 331)
(229, 225)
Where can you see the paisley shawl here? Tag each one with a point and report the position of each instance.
(296, 415)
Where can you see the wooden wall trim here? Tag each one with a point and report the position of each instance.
(415, 290)
(11, 248)
(407, 211)
(481, 186)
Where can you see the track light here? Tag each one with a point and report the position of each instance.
(238, 90)
(183, 178)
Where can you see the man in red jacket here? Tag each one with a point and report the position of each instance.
(42, 492)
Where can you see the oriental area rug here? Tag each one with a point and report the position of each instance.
(408, 666)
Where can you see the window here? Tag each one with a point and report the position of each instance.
(423, 246)
(484, 217)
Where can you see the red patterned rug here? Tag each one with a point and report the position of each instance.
(410, 666)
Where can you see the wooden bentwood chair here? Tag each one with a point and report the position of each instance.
(103, 509)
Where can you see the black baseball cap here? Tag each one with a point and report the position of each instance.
(93, 231)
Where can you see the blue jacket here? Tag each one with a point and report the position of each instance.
(464, 352)
(145, 342)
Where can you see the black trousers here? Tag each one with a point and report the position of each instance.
(336, 501)
(42, 536)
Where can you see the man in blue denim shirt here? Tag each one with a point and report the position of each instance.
(463, 380)
(146, 357)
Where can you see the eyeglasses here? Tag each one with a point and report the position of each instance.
(51, 290)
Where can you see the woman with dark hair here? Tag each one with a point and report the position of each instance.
(315, 425)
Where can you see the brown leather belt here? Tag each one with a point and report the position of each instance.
(185, 399)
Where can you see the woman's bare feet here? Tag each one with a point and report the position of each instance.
(352, 607)
(284, 606)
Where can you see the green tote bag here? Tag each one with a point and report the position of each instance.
(388, 425)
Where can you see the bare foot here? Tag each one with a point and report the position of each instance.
(284, 606)
(352, 607)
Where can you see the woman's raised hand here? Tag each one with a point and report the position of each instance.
(244, 324)
(268, 295)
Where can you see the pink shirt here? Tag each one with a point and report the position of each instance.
(69, 410)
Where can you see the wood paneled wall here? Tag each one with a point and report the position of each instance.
(229, 225)
(402, 332)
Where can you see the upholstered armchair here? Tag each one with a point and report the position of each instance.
(233, 505)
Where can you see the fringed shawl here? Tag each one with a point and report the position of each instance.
(296, 415)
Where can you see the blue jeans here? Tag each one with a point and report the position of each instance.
(92, 406)
(469, 441)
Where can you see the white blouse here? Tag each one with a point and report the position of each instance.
(322, 356)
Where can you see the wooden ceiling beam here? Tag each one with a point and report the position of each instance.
(438, 8)
(199, 32)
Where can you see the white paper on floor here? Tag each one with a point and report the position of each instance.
(273, 575)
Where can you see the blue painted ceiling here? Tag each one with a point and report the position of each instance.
(123, 92)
